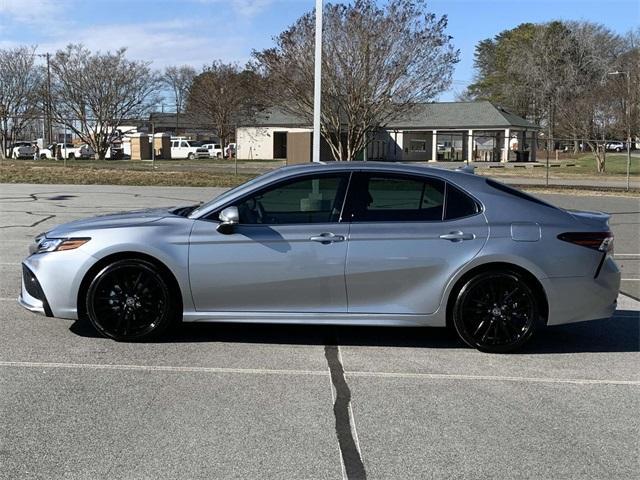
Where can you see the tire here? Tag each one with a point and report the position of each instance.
(191, 156)
(43, 156)
(71, 156)
(618, 149)
(130, 300)
(218, 155)
(496, 312)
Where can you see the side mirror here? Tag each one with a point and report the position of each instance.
(229, 217)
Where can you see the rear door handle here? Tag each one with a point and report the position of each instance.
(326, 238)
(457, 236)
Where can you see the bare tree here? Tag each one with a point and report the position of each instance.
(378, 62)
(588, 108)
(179, 81)
(223, 94)
(94, 92)
(20, 92)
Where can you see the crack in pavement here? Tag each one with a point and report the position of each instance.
(349, 449)
(48, 217)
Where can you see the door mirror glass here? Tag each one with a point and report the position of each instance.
(229, 217)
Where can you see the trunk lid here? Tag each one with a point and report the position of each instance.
(593, 219)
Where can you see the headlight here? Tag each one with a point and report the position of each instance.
(59, 244)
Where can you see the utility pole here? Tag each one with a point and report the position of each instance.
(317, 83)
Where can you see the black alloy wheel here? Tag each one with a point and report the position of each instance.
(496, 312)
(130, 300)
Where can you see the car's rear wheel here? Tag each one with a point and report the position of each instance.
(191, 156)
(130, 300)
(496, 312)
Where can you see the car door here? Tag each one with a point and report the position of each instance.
(408, 235)
(287, 254)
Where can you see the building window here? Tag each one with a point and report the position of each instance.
(418, 146)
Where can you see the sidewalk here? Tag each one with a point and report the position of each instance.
(488, 168)
(571, 182)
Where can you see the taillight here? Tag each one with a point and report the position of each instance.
(601, 241)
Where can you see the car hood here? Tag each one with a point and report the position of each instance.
(112, 220)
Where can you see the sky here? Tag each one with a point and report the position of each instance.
(196, 32)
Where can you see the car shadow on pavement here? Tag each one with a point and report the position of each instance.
(619, 334)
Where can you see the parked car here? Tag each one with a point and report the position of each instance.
(68, 151)
(347, 243)
(21, 150)
(183, 148)
(616, 146)
(214, 149)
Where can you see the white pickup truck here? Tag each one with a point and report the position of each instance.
(68, 151)
(183, 148)
(214, 149)
(21, 150)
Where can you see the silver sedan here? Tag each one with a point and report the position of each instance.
(342, 243)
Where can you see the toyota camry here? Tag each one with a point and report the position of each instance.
(346, 243)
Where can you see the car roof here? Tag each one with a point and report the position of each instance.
(391, 167)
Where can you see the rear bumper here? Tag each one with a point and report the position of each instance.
(576, 299)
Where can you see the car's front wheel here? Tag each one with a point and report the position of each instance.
(130, 300)
(191, 156)
(496, 312)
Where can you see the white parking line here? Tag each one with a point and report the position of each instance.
(494, 378)
(164, 368)
(263, 371)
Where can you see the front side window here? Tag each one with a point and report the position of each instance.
(316, 199)
(392, 198)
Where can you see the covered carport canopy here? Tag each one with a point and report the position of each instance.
(471, 131)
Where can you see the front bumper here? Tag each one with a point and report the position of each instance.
(51, 281)
(32, 296)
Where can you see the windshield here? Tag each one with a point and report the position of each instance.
(230, 193)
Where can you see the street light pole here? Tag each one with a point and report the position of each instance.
(628, 115)
(317, 83)
(48, 106)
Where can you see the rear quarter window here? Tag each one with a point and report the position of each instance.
(459, 204)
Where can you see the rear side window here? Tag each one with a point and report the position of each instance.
(459, 204)
(393, 198)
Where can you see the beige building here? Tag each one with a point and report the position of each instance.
(449, 131)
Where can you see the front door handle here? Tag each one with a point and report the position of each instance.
(457, 236)
(327, 238)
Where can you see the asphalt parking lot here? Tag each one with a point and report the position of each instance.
(271, 402)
